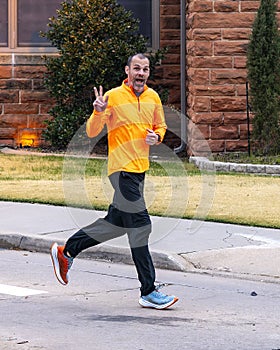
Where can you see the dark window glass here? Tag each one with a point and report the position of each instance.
(3, 22)
(142, 9)
(33, 16)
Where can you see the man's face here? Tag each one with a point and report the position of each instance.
(138, 73)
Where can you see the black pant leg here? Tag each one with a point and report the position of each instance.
(100, 231)
(137, 221)
(145, 269)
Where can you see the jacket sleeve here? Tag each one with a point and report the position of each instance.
(159, 125)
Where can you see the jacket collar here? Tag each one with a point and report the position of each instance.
(129, 88)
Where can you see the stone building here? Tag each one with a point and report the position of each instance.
(217, 33)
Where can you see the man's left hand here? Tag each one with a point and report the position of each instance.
(151, 138)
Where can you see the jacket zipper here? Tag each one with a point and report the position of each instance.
(138, 99)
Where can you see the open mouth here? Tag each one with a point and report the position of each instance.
(139, 81)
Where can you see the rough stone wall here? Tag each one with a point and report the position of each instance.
(169, 71)
(24, 102)
(217, 38)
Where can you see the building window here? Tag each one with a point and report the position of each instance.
(22, 20)
(4, 23)
(32, 17)
(147, 11)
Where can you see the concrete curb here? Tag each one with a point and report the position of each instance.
(205, 164)
(162, 259)
(250, 263)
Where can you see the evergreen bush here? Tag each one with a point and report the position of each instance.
(263, 63)
(94, 39)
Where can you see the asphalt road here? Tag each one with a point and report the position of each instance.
(99, 309)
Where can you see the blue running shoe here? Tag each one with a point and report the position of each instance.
(157, 300)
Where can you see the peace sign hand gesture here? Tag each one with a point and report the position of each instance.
(100, 104)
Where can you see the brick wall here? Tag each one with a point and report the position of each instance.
(217, 38)
(24, 103)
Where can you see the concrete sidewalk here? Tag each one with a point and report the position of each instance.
(176, 244)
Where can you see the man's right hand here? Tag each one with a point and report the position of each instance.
(100, 104)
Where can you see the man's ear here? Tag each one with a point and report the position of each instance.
(126, 69)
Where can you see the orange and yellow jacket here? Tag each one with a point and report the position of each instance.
(127, 118)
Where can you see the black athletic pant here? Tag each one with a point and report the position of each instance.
(126, 214)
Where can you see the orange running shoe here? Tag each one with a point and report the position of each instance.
(61, 263)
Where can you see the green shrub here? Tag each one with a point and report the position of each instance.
(94, 39)
(264, 77)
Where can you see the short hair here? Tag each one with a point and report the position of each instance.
(139, 55)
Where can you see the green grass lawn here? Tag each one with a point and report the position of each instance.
(172, 188)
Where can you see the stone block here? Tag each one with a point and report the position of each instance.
(201, 104)
(30, 59)
(21, 108)
(204, 147)
(171, 72)
(198, 132)
(216, 146)
(241, 90)
(224, 132)
(208, 118)
(170, 10)
(222, 20)
(228, 104)
(210, 62)
(29, 72)
(37, 121)
(9, 96)
(237, 168)
(226, 6)
(20, 84)
(200, 6)
(230, 48)
(8, 133)
(249, 6)
(199, 48)
(221, 166)
(5, 59)
(236, 34)
(212, 90)
(272, 169)
(5, 72)
(7, 142)
(207, 34)
(255, 169)
(13, 121)
(170, 22)
(198, 76)
(38, 84)
(228, 76)
(236, 145)
(35, 97)
(45, 108)
(239, 62)
(235, 117)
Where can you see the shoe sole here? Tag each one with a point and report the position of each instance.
(56, 264)
(147, 304)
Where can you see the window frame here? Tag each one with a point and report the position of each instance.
(13, 26)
